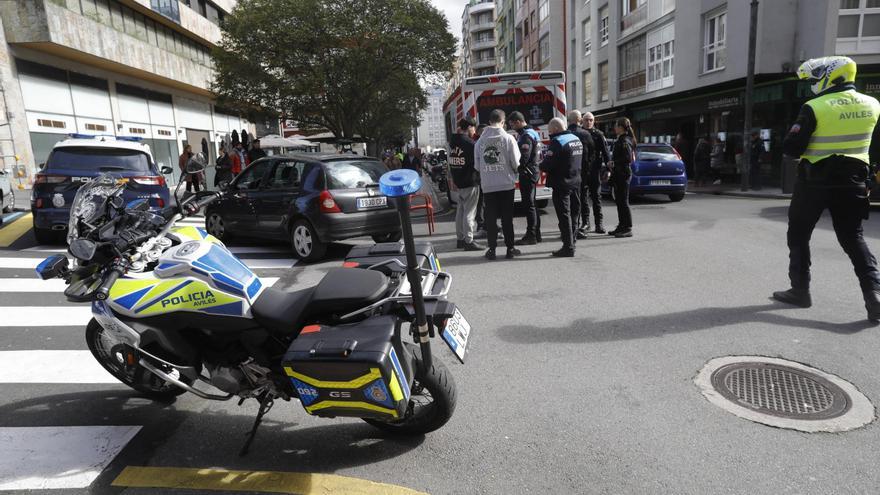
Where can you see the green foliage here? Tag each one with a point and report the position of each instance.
(350, 66)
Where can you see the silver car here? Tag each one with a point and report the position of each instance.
(7, 194)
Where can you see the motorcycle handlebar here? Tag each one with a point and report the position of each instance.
(113, 274)
(196, 206)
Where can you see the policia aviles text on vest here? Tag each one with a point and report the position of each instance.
(845, 122)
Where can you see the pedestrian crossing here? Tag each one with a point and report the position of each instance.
(43, 352)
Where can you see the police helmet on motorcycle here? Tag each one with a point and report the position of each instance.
(827, 72)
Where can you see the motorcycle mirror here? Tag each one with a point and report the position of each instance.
(167, 170)
(53, 266)
(196, 164)
(83, 249)
(139, 204)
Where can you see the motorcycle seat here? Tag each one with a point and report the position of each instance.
(341, 291)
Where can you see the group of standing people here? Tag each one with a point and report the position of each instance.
(576, 161)
(231, 160)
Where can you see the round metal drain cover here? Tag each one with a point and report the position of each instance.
(784, 394)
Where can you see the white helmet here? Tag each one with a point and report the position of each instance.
(827, 72)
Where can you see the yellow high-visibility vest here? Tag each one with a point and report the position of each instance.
(845, 122)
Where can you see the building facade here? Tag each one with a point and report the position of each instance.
(478, 40)
(431, 132)
(139, 68)
(677, 70)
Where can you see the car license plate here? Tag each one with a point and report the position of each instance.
(377, 202)
(456, 334)
(665, 182)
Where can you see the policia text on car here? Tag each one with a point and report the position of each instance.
(836, 137)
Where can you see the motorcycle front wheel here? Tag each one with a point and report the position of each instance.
(431, 402)
(103, 349)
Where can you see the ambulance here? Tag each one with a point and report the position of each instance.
(539, 96)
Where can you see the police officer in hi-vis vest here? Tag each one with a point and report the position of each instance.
(836, 136)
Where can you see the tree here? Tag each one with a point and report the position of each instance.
(353, 67)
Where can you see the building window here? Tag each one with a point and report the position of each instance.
(588, 88)
(57, 124)
(661, 57)
(96, 127)
(862, 20)
(168, 8)
(849, 4)
(603, 26)
(588, 37)
(630, 5)
(631, 68)
(603, 81)
(543, 10)
(714, 49)
(544, 47)
(163, 132)
(137, 130)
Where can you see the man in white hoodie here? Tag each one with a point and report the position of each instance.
(496, 156)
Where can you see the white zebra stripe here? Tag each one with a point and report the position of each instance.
(51, 316)
(56, 457)
(40, 366)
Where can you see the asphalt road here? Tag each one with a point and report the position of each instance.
(579, 378)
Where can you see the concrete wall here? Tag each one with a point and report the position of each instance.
(14, 138)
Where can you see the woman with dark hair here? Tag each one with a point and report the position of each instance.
(622, 155)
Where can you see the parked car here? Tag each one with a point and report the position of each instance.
(658, 169)
(79, 159)
(7, 194)
(308, 199)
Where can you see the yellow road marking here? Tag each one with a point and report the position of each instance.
(14, 230)
(253, 481)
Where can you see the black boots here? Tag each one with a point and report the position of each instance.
(527, 240)
(795, 297)
(872, 304)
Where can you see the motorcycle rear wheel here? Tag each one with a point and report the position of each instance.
(140, 379)
(431, 403)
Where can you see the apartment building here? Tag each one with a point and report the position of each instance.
(478, 40)
(542, 27)
(676, 69)
(139, 68)
(431, 131)
(506, 33)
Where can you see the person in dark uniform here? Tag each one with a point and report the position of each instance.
(574, 127)
(464, 176)
(622, 155)
(597, 162)
(528, 176)
(562, 162)
(836, 136)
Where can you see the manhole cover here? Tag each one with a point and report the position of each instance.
(784, 393)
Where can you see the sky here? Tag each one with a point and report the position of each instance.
(453, 10)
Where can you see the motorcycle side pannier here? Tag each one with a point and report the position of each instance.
(351, 370)
(366, 256)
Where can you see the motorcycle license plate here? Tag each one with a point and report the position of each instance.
(661, 182)
(456, 333)
(376, 202)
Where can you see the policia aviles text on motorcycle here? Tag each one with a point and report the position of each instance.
(836, 137)
(528, 141)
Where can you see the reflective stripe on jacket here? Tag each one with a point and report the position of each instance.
(845, 122)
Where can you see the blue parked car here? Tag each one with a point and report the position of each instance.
(658, 169)
(79, 159)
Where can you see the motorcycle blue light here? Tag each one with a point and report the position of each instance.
(398, 183)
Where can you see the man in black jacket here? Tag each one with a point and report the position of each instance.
(528, 142)
(591, 178)
(574, 121)
(562, 162)
(465, 178)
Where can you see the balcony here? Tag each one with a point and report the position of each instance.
(631, 85)
(473, 28)
(483, 63)
(483, 44)
(46, 26)
(634, 20)
(481, 7)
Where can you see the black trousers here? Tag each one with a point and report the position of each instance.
(195, 183)
(848, 206)
(590, 187)
(567, 202)
(481, 221)
(620, 183)
(499, 204)
(527, 190)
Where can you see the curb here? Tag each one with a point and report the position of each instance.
(746, 194)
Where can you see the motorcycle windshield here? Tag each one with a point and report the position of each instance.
(89, 207)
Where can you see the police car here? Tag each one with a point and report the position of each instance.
(79, 159)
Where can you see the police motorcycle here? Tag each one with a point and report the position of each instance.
(174, 311)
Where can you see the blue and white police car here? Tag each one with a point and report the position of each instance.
(79, 159)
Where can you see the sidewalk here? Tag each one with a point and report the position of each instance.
(734, 190)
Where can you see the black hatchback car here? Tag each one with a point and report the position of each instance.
(308, 199)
